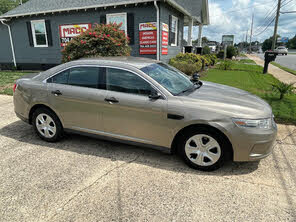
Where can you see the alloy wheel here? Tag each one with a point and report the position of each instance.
(202, 150)
(45, 125)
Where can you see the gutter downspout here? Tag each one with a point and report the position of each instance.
(11, 42)
(158, 30)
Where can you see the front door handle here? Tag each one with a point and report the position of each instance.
(56, 92)
(111, 100)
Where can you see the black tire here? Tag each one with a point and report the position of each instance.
(224, 147)
(58, 126)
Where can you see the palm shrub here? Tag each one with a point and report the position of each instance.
(102, 40)
(283, 88)
(188, 63)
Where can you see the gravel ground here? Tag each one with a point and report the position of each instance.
(85, 179)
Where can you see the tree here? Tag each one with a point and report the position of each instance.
(267, 44)
(7, 5)
(292, 43)
(102, 40)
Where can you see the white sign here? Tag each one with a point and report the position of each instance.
(67, 32)
(147, 26)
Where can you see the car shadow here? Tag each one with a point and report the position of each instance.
(84, 145)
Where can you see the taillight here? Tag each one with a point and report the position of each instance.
(14, 87)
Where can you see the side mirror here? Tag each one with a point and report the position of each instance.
(155, 95)
(195, 77)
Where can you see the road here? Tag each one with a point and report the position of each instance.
(288, 61)
(85, 179)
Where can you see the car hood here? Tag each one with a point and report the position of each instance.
(228, 100)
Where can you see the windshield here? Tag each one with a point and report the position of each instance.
(170, 78)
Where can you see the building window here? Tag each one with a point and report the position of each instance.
(39, 33)
(174, 31)
(118, 18)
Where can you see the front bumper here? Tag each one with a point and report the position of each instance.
(253, 144)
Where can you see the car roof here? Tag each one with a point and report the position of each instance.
(137, 62)
(118, 61)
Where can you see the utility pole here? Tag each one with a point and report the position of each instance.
(276, 24)
(251, 32)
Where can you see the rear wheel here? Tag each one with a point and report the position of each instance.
(47, 125)
(203, 149)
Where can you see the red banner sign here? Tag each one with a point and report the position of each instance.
(165, 39)
(148, 38)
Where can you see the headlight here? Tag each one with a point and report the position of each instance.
(253, 123)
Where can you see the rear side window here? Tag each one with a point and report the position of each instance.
(84, 76)
(89, 77)
(124, 81)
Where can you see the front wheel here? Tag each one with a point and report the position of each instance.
(47, 125)
(203, 149)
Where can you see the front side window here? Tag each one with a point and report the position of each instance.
(118, 18)
(39, 33)
(78, 76)
(124, 81)
(61, 78)
(171, 79)
(174, 31)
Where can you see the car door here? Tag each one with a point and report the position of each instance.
(76, 96)
(129, 113)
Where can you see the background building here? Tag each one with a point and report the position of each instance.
(33, 34)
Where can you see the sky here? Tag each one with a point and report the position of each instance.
(234, 17)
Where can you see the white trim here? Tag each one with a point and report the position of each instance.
(177, 30)
(158, 30)
(117, 14)
(34, 34)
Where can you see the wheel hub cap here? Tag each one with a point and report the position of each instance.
(45, 125)
(203, 150)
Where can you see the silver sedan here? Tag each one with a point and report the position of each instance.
(147, 102)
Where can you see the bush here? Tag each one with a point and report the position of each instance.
(206, 50)
(221, 54)
(212, 58)
(231, 51)
(225, 65)
(102, 40)
(188, 63)
(283, 88)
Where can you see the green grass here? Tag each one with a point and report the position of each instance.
(284, 68)
(7, 79)
(252, 80)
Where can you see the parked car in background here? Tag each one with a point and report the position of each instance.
(143, 101)
(282, 50)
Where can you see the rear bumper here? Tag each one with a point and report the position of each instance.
(22, 118)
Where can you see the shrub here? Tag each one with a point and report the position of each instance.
(283, 88)
(212, 58)
(206, 50)
(102, 40)
(231, 51)
(221, 54)
(225, 65)
(188, 63)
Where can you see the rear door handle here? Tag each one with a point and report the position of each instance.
(56, 92)
(111, 100)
